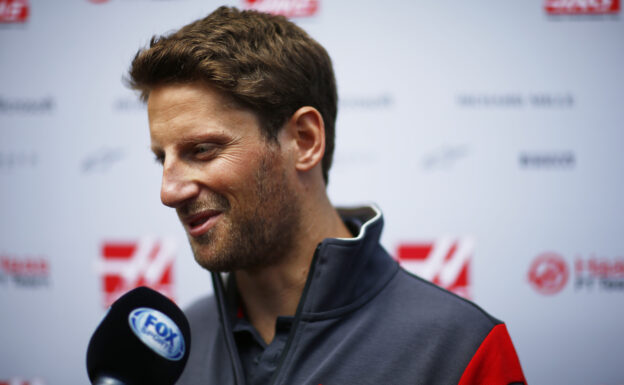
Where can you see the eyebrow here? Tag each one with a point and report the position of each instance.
(198, 138)
(206, 137)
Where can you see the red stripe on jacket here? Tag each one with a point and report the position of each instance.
(495, 362)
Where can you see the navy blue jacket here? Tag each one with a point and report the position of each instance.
(362, 320)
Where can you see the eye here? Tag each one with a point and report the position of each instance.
(205, 150)
(159, 158)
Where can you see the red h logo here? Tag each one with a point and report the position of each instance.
(126, 265)
(444, 262)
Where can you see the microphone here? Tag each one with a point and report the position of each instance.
(144, 339)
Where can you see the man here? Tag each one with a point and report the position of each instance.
(241, 109)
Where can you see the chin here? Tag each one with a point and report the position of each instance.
(210, 264)
(209, 261)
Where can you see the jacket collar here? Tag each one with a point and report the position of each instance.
(348, 272)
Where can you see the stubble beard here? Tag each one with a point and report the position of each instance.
(258, 235)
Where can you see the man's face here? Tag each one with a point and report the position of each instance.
(229, 185)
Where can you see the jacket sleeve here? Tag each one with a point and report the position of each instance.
(495, 362)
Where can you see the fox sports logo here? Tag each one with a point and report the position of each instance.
(158, 332)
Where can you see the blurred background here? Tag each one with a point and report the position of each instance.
(490, 134)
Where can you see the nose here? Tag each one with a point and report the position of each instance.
(178, 184)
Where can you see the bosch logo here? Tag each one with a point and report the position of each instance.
(549, 273)
(158, 332)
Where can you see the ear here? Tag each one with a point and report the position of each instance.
(307, 130)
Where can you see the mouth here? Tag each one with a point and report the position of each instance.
(200, 223)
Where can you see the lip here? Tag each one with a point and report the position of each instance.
(207, 220)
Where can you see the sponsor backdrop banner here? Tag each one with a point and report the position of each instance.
(490, 133)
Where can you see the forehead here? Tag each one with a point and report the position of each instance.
(176, 110)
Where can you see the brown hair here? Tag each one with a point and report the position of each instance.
(263, 62)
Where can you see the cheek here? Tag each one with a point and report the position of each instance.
(235, 180)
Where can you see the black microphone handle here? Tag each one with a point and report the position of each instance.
(105, 380)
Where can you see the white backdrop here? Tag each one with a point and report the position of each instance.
(494, 126)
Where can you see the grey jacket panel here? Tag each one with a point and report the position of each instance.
(208, 361)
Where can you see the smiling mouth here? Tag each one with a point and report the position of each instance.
(198, 224)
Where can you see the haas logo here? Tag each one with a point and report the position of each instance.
(548, 273)
(444, 262)
(288, 8)
(126, 265)
(568, 7)
(19, 381)
(14, 11)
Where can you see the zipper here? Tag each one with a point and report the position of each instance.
(295, 325)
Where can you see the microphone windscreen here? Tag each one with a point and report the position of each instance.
(143, 339)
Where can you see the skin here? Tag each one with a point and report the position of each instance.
(249, 205)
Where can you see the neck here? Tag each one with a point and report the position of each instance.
(275, 290)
